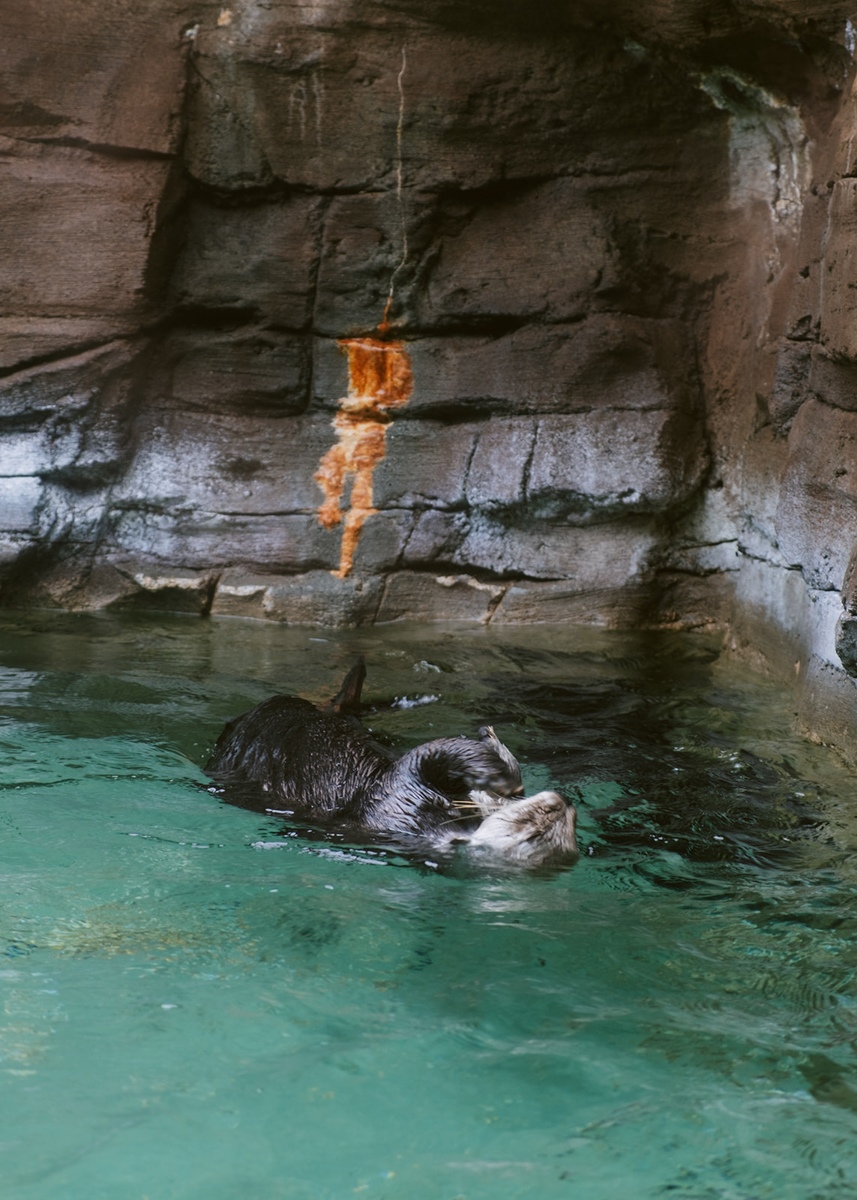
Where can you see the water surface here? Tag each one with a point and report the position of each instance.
(202, 1003)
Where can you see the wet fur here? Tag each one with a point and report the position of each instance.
(323, 763)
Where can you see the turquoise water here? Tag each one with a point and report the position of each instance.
(200, 1002)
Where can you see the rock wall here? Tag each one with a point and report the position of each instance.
(366, 310)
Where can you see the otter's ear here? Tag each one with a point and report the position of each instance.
(347, 699)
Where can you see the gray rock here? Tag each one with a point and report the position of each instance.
(425, 464)
(382, 541)
(791, 381)
(529, 602)
(19, 502)
(606, 361)
(817, 511)
(261, 373)
(833, 378)
(313, 97)
(846, 642)
(314, 598)
(198, 539)
(72, 383)
(420, 596)
(846, 626)
(226, 464)
(497, 476)
(435, 537)
(598, 465)
(594, 557)
(362, 254)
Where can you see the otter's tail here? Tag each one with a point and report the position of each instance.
(347, 699)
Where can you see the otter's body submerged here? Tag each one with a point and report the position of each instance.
(323, 763)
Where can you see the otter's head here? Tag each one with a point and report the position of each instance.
(538, 829)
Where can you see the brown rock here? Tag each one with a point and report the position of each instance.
(601, 246)
(53, 202)
(128, 584)
(503, 260)
(173, 590)
(838, 306)
(680, 600)
(110, 75)
(259, 258)
(23, 339)
(826, 706)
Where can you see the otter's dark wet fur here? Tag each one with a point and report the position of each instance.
(323, 763)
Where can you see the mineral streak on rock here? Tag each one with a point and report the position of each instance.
(379, 379)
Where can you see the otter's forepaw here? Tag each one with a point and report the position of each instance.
(457, 765)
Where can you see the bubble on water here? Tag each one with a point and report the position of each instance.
(415, 702)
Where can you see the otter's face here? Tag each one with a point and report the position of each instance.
(535, 830)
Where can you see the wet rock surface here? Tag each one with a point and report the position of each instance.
(616, 246)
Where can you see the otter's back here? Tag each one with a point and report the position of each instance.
(319, 762)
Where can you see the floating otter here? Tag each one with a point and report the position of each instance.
(324, 764)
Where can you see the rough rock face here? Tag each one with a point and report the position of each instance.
(612, 249)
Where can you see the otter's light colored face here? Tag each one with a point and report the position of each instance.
(534, 830)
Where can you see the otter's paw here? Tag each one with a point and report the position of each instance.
(486, 800)
(535, 830)
(459, 765)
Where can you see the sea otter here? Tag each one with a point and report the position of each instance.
(322, 763)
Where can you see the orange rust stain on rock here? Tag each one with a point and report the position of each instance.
(379, 379)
